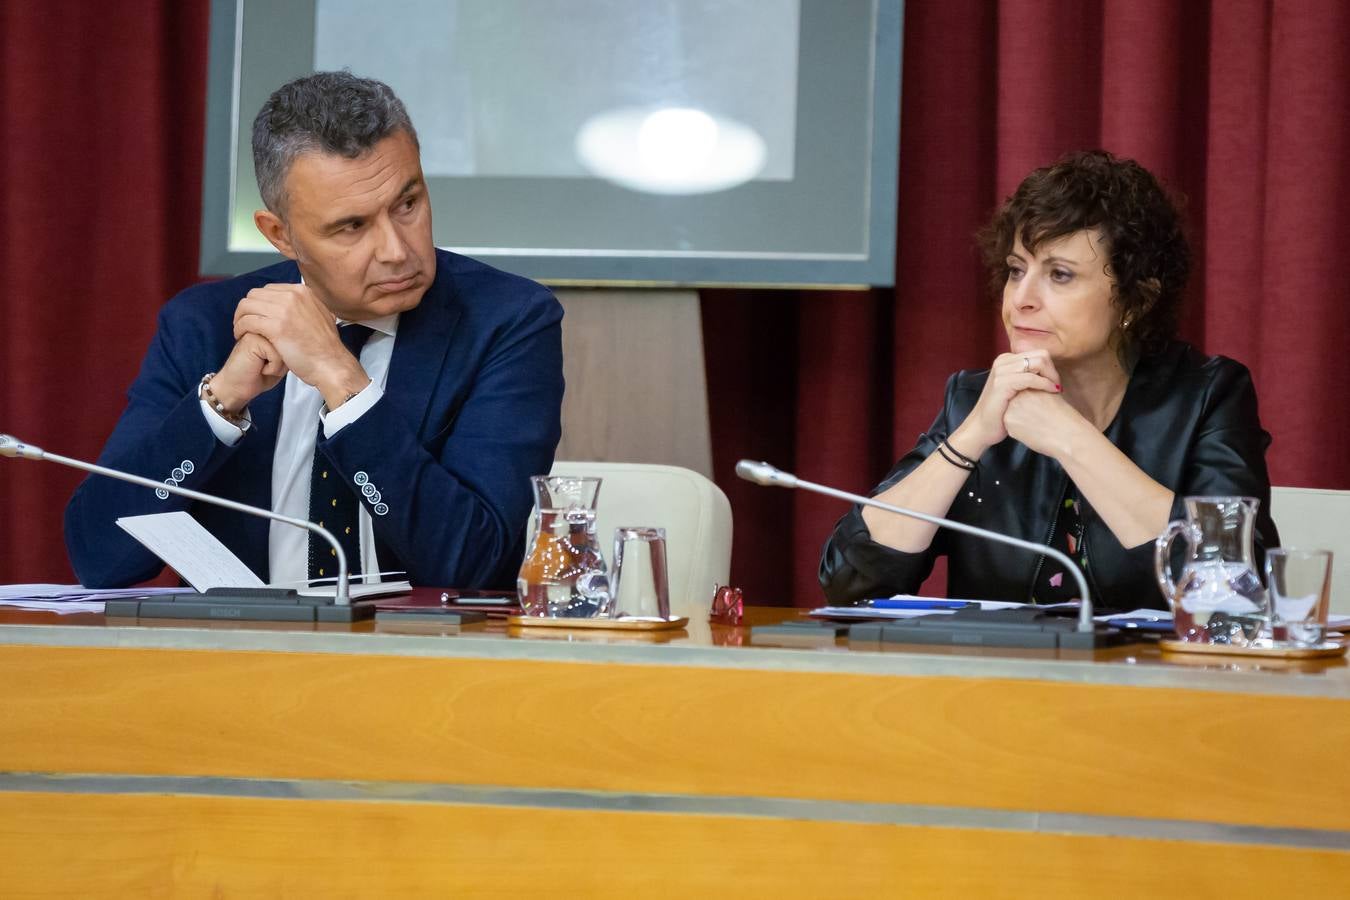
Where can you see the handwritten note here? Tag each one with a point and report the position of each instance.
(190, 550)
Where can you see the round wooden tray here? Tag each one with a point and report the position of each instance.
(643, 624)
(1274, 651)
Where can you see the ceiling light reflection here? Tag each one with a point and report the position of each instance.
(670, 150)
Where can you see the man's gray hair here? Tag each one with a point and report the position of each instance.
(328, 112)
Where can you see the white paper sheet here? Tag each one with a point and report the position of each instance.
(190, 550)
(870, 612)
(73, 598)
(1334, 622)
(358, 591)
(61, 607)
(1160, 615)
(69, 598)
(37, 591)
(65, 593)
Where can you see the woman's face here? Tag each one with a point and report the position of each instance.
(1060, 298)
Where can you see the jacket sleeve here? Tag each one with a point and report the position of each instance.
(1227, 456)
(162, 434)
(456, 515)
(853, 567)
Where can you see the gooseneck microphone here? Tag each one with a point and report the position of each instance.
(765, 474)
(13, 447)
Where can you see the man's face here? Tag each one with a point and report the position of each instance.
(360, 229)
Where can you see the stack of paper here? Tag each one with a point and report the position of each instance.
(69, 598)
(190, 550)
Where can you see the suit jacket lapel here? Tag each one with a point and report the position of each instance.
(420, 350)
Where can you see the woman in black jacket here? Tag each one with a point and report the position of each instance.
(1088, 433)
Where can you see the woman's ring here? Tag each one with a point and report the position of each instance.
(1026, 364)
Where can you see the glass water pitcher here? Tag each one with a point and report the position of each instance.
(1218, 598)
(564, 572)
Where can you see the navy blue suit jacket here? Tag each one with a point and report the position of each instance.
(471, 409)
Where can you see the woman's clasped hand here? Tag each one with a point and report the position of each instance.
(1009, 405)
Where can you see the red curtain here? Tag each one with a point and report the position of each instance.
(1239, 104)
(103, 106)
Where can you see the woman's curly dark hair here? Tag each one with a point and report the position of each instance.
(1150, 257)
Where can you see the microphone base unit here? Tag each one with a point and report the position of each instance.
(1022, 628)
(240, 604)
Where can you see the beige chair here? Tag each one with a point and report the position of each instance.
(693, 511)
(1315, 519)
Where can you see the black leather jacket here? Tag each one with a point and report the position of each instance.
(1188, 420)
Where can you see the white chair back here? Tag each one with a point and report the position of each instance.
(694, 512)
(1316, 519)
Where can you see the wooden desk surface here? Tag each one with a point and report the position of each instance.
(696, 763)
(699, 644)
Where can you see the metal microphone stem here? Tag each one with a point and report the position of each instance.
(765, 474)
(1085, 622)
(10, 446)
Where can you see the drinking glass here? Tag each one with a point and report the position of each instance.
(641, 586)
(1300, 590)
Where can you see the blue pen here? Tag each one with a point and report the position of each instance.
(895, 603)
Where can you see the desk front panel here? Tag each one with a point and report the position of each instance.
(648, 741)
(191, 846)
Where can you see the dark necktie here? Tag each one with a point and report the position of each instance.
(332, 502)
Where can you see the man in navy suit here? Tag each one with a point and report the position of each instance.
(401, 392)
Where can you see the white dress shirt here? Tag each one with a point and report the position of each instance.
(293, 457)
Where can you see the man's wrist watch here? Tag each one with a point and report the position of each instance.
(327, 409)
